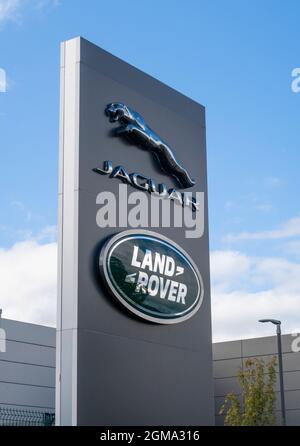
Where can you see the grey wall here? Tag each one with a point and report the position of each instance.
(230, 356)
(27, 367)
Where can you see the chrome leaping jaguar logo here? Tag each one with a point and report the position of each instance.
(135, 128)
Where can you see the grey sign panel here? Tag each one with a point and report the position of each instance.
(114, 368)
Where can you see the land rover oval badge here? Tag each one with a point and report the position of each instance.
(151, 276)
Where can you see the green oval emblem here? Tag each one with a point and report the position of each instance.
(152, 276)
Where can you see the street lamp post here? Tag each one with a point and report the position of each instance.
(281, 383)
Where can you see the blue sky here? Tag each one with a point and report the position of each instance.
(236, 58)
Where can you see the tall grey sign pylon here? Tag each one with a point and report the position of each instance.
(113, 367)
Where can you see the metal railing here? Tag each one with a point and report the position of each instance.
(23, 417)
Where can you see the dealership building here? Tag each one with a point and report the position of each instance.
(27, 372)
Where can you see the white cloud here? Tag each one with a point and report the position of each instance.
(40, 4)
(28, 275)
(9, 10)
(47, 234)
(288, 229)
(236, 314)
(273, 182)
(245, 289)
(3, 81)
(228, 266)
(264, 207)
(292, 248)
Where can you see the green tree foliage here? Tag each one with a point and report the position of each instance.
(257, 404)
